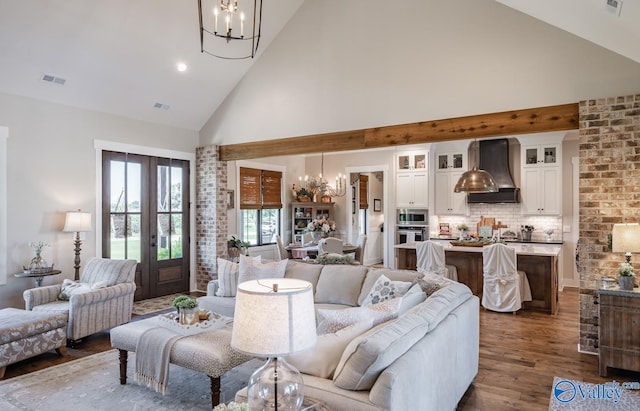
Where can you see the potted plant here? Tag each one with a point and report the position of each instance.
(462, 229)
(626, 277)
(235, 246)
(187, 310)
(304, 195)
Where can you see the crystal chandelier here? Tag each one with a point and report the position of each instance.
(219, 25)
(320, 185)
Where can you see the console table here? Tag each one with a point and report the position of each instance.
(37, 276)
(618, 339)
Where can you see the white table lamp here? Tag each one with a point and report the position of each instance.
(274, 318)
(77, 222)
(626, 239)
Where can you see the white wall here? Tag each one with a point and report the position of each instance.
(348, 65)
(51, 169)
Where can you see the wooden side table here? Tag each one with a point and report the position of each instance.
(619, 340)
(37, 276)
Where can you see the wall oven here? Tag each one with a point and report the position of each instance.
(412, 217)
(410, 234)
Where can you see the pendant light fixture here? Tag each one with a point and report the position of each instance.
(476, 180)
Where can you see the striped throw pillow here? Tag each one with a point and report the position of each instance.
(228, 272)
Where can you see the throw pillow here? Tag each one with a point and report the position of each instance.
(331, 321)
(385, 289)
(431, 283)
(227, 278)
(252, 269)
(70, 287)
(413, 297)
(322, 360)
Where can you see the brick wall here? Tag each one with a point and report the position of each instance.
(609, 194)
(211, 213)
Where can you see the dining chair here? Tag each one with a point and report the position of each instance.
(505, 287)
(330, 245)
(431, 258)
(360, 245)
(282, 252)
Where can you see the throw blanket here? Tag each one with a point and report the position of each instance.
(152, 357)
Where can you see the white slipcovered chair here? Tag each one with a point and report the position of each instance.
(504, 286)
(360, 246)
(330, 245)
(94, 309)
(431, 258)
(282, 252)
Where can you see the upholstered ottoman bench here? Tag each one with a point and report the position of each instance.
(25, 334)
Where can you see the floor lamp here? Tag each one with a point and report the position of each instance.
(77, 222)
(274, 318)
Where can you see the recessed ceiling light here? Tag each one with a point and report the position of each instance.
(182, 67)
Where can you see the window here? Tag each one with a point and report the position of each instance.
(260, 205)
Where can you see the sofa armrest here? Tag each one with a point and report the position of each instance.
(102, 294)
(40, 295)
(212, 287)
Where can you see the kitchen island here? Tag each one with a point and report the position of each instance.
(539, 261)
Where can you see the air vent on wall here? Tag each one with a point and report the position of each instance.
(53, 79)
(161, 106)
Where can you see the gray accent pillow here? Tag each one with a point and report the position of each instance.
(340, 284)
(384, 289)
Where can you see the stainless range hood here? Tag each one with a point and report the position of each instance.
(494, 158)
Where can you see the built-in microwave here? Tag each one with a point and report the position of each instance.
(412, 216)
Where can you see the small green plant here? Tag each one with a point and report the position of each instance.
(626, 270)
(303, 192)
(462, 227)
(334, 259)
(234, 242)
(184, 301)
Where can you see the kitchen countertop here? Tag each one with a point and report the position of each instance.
(543, 250)
(558, 242)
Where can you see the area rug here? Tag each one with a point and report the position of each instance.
(152, 305)
(569, 394)
(92, 383)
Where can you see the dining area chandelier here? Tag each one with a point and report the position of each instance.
(319, 184)
(228, 30)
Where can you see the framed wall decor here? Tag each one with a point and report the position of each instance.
(230, 197)
(377, 205)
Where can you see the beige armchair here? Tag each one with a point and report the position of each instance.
(94, 310)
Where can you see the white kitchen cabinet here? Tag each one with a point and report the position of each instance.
(410, 161)
(447, 202)
(412, 189)
(412, 179)
(541, 175)
(541, 190)
(449, 167)
(447, 162)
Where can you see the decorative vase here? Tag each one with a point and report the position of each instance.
(188, 316)
(626, 282)
(38, 263)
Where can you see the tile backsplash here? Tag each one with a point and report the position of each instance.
(507, 214)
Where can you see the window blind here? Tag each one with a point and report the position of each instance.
(364, 195)
(260, 189)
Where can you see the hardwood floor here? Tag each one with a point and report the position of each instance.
(519, 356)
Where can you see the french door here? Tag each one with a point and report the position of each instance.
(145, 217)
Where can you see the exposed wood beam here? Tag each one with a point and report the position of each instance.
(526, 121)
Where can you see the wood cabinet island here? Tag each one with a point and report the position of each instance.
(539, 261)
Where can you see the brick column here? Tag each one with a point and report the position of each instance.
(211, 213)
(609, 193)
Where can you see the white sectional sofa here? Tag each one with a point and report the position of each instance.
(425, 359)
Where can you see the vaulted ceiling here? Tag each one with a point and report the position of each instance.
(120, 56)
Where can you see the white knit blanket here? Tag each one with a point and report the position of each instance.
(153, 352)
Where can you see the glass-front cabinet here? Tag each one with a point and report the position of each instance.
(540, 155)
(411, 161)
(450, 161)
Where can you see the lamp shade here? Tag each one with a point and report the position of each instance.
(476, 181)
(77, 221)
(626, 238)
(270, 323)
